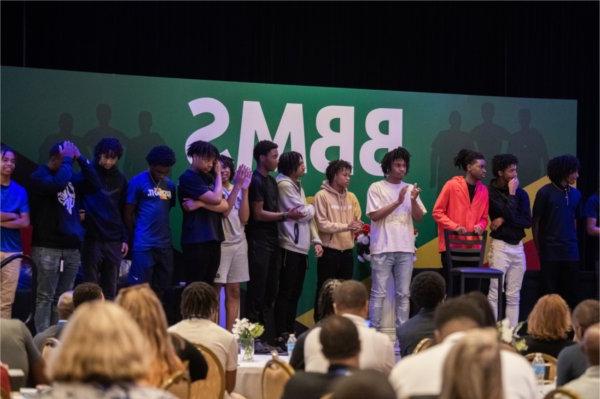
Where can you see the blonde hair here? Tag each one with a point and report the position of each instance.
(550, 318)
(472, 369)
(145, 308)
(100, 343)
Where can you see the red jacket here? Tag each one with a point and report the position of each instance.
(453, 208)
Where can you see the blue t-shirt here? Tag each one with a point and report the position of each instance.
(556, 210)
(152, 205)
(201, 225)
(14, 200)
(591, 209)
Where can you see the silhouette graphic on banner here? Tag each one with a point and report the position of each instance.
(65, 133)
(139, 145)
(103, 114)
(529, 146)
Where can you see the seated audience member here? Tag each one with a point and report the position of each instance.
(103, 355)
(199, 307)
(187, 352)
(351, 300)
(325, 309)
(548, 326)
(473, 368)
(370, 384)
(341, 346)
(588, 385)
(143, 305)
(427, 291)
(421, 374)
(480, 300)
(18, 351)
(65, 309)
(572, 362)
(86, 292)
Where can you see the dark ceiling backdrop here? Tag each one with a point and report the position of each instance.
(519, 49)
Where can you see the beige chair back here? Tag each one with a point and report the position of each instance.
(549, 360)
(274, 377)
(423, 344)
(561, 393)
(178, 384)
(213, 386)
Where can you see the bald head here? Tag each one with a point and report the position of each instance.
(351, 297)
(591, 344)
(65, 305)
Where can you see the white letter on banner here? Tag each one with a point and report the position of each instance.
(213, 130)
(329, 138)
(379, 140)
(291, 126)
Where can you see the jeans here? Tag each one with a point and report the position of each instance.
(57, 269)
(333, 264)
(383, 267)
(511, 260)
(154, 266)
(291, 280)
(101, 261)
(264, 266)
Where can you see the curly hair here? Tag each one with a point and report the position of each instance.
(334, 167)
(562, 166)
(4, 149)
(161, 156)
(390, 157)
(263, 147)
(228, 163)
(199, 300)
(466, 157)
(109, 146)
(203, 149)
(289, 162)
(427, 289)
(502, 161)
(550, 318)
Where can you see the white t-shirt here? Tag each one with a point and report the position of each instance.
(211, 335)
(395, 232)
(233, 229)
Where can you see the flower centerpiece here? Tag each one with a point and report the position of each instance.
(509, 335)
(245, 333)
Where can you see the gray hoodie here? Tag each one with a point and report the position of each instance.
(295, 235)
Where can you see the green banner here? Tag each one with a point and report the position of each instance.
(40, 107)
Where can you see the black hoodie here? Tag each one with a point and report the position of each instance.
(515, 211)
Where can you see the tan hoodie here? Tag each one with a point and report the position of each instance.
(333, 213)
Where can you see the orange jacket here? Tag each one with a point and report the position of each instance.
(453, 208)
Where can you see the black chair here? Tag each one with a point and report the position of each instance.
(27, 260)
(470, 247)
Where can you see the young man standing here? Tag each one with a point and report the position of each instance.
(555, 210)
(392, 204)
(262, 235)
(57, 230)
(337, 215)
(295, 238)
(150, 197)
(14, 215)
(510, 215)
(201, 196)
(106, 237)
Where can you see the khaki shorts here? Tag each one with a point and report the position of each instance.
(234, 263)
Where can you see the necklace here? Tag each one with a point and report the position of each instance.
(154, 181)
(566, 190)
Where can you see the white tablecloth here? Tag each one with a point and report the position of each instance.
(248, 380)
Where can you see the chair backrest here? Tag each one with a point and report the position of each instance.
(178, 384)
(561, 393)
(50, 346)
(549, 360)
(465, 247)
(423, 344)
(213, 386)
(274, 377)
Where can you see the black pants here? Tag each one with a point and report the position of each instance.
(333, 264)
(101, 261)
(264, 266)
(291, 280)
(202, 261)
(560, 278)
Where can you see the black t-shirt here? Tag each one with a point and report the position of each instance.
(200, 225)
(471, 188)
(263, 188)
